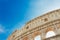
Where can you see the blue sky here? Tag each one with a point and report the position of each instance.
(15, 13)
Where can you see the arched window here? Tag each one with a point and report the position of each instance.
(50, 34)
(37, 37)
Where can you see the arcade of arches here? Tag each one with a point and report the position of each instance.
(49, 34)
(45, 27)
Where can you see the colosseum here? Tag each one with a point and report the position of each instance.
(45, 27)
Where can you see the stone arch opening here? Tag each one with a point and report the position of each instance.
(50, 34)
(38, 37)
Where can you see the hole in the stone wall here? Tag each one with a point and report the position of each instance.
(50, 34)
(45, 19)
(37, 37)
(27, 27)
(13, 35)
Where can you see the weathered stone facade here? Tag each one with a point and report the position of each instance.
(39, 26)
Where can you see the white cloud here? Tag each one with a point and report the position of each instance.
(2, 29)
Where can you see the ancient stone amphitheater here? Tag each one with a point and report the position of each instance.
(45, 27)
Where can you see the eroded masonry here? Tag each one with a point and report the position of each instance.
(45, 27)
